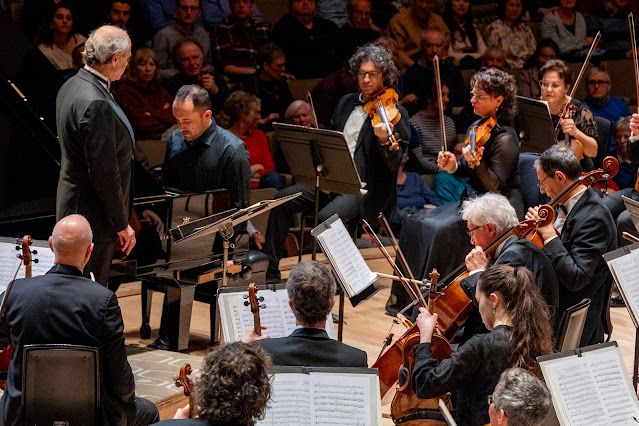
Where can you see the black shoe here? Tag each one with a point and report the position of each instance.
(161, 343)
(273, 277)
(617, 301)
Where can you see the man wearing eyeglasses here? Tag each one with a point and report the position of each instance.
(188, 13)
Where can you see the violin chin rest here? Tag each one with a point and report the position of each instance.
(402, 374)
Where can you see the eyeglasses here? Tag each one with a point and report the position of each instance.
(545, 85)
(597, 82)
(478, 97)
(470, 233)
(542, 181)
(490, 399)
(371, 74)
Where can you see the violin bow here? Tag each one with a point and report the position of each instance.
(635, 61)
(440, 99)
(310, 102)
(579, 76)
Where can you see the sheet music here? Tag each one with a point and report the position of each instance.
(9, 262)
(290, 403)
(341, 400)
(347, 261)
(625, 269)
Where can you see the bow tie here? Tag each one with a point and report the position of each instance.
(107, 83)
(561, 208)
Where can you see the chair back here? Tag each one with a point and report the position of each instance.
(572, 325)
(528, 179)
(604, 133)
(61, 385)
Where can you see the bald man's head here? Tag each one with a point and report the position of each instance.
(71, 240)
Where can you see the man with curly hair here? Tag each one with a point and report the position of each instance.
(233, 388)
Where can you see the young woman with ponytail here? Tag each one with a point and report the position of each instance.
(518, 318)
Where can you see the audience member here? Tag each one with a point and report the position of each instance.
(309, 42)
(237, 39)
(359, 29)
(511, 35)
(119, 14)
(413, 194)
(57, 40)
(495, 58)
(311, 294)
(567, 28)
(299, 113)
(145, 101)
(419, 75)
(269, 83)
(612, 20)
(517, 316)
(528, 78)
(391, 46)
(450, 188)
(519, 399)
(327, 93)
(233, 389)
(185, 27)
(190, 63)
(240, 115)
(626, 177)
(466, 43)
(84, 313)
(213, 11)
(407, 28)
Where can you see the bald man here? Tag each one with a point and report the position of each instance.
(96, 142)
(62, 307)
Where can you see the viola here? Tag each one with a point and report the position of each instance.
(382, 108)
(184, 381)
(478, 137)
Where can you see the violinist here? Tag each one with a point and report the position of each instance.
(487, 218)
(579, 125)
(491, 167)
(511, 307)
(587, 232)
(369, 145)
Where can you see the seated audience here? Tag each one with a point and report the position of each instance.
(494, 57)
(519, 399)
(161, 13)
(567, 27)
(450, 188)
(626, 177)
(413, 194)
(85, 313)
(299, 113)
(57, 40)
(612, 20)
(327, 93)
(236, 40)
(191, 70)
(391, 46)
(311, 293)
(511, 35)
(167, 39)
(466, 43)
(240, 115)
(213, 11)
(528, 78)
(512, 308)
(144, 100)
(359, 29)
(407, 28)
(118, 14)
(309, 42)
(233, 389)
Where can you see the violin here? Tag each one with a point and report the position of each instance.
(184, 381)
(478, 137)
(382, 108)
(575, 145)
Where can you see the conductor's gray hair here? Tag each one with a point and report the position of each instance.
(490, 208)
(103, 43)
(524, 398)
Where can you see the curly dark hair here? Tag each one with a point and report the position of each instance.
(498, 83)
(379, 56)
(532, 333)
(311, 289)
(234, 386)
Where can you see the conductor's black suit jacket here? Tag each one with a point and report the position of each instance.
(311, 347)
(62, 307)
(96, 141)
(588, 232)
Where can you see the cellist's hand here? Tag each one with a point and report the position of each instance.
(473, 161)
(426, 324)
(447, 161)
(546, 232)
(477, 259)
(532, 213)
(250, 336)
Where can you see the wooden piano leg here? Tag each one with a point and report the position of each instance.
(146, 297)
(179, 308)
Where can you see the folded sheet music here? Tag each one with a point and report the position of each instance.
(624, 266)
(42, 257)
(347, 262)
(324, 396)
(591, 386)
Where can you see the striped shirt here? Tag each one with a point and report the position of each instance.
(430, 139)
(234, 44)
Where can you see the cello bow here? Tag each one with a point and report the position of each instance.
(398, 251)
(440, 103)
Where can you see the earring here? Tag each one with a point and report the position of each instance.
(494, 312)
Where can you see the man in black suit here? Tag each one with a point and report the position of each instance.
(488, 217)
(587, 232)
(96, 140)
(62, 307)
(377, 165)
(311, 293)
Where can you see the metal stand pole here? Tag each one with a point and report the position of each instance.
(318, 173)
(340, 320)
(636, 363)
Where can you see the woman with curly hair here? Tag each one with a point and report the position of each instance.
(512, 307)
(233, 388)
(493, 166)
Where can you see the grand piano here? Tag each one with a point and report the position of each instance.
(29, 170)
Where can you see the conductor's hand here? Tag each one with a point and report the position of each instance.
(477, 259)
(250, 336)
(446, 160)
(127, 239)
(381, 133)
(426, 324)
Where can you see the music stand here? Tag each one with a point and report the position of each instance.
(534, 125)
(319, 159)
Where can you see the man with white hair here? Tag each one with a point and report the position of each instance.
(97, 142)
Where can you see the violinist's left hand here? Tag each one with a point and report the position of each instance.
(381, 133)
(426, 324)
(568, 126)
(477, 259)
(472, 161)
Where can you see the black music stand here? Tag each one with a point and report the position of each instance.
(534, 125)
(319, 159)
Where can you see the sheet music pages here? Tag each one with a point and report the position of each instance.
(625, 270)
(593, 389)
(9, 261)
(346, 260)
(290, 403)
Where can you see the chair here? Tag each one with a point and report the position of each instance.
(604, 127)
(528, 179)
(571, 326)
(61, 385)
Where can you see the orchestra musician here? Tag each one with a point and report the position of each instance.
(519, 399)
(583, 231)
(511, 306)
(374, 70)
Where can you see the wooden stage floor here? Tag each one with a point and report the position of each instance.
(366, 325)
